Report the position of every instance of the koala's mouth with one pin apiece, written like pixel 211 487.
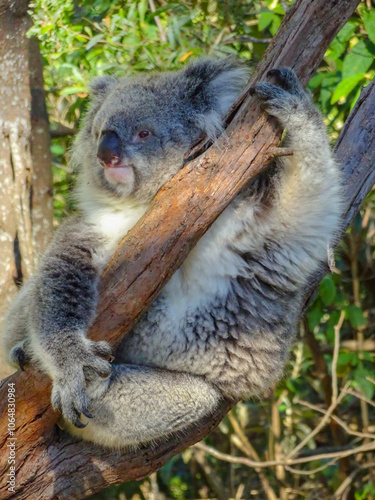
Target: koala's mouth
pixel 119 174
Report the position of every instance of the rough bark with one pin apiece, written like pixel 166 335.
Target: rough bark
pixel 25 163
pixel 41 189
pixel 49 463
pixel 355 151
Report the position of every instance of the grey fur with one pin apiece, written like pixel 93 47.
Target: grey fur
pixel 224 324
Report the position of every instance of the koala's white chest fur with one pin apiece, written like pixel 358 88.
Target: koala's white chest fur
pixel 206 272
pixel 112 223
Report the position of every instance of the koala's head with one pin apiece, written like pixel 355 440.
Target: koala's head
pixel 137 130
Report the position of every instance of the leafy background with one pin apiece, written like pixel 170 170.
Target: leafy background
pixel 83 39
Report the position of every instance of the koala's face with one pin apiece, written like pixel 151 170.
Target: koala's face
pixel 138 129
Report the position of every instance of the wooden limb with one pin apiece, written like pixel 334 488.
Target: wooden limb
pixel 355 151
pixel 51 464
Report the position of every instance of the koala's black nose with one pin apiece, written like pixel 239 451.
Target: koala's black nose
pixel 109 149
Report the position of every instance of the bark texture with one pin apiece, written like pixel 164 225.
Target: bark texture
pixel 25 163
pixel 49 463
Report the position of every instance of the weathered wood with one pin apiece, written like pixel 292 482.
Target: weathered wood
pixel 49 463
pixel 355 151
pixel 25 162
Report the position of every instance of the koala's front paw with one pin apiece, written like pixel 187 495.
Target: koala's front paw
pixel 86 361
pixel 284 98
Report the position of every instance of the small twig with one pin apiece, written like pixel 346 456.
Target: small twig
pixel 212 478
pixel 247 39
pixel 239 492
pixel 309 472
pixel 240 440
pixel 348 480
pixel 235 460
pixel 336 419
pixel 157 21
pixel 336 356
pixel 321 424
pixel 336 455
pixel 277 151
pixel 360 396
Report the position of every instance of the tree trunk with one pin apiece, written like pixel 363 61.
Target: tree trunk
pixel 49 463
pixel 25 163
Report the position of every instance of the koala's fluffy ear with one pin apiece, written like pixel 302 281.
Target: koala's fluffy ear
pixel 212 86
pixel 101 85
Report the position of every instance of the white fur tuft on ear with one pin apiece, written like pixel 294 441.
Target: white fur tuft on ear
pixel 100 85
pixel 211 123
pixel 212 86
pixel 228 85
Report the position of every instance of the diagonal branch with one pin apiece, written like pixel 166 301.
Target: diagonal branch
pixel 180 214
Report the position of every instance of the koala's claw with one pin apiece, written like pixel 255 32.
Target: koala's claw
pixel 69 394
pixel 19 357
pixel 88 414
pixel 287 80
pixel 104 350
pixel 71 400
pixel 286 99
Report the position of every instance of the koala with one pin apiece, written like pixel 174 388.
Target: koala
pixel 222 327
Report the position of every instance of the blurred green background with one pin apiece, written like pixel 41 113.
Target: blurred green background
pixel 83 39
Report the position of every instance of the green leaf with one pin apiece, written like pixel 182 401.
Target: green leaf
pixel 359 59
pixel 75 89
pixel 338 45
pixel 327 290
pixel 142 9
pixel 369 22
pixel 94 40
pixel 46 29
pixel 354 99
pixel 335 50
pixel 367 387
pixel 57 149
pixel 344 88
pixel 345 34
pixel 347 359
pixel 275 24
pixel 355 316
pixel 80 38
pixel 88 30
pixel 316 80
pixel 328 83
pixel 314 315
pixel 265 20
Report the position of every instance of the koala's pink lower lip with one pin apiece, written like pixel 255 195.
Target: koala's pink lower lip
pixel 120 174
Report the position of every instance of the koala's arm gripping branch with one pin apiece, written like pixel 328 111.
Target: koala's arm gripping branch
pixel 51 465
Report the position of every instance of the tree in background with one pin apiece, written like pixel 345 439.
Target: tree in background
pixel 80 40
pixel 26 210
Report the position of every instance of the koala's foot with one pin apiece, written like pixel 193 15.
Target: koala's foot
pixel 86 362
pixel 18 356
pixel 286 99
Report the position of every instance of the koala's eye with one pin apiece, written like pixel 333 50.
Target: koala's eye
pixel 143 134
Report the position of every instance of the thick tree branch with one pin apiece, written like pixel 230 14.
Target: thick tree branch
pixel 50 464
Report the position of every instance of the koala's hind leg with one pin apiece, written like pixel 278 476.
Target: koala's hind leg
pixel 140 404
